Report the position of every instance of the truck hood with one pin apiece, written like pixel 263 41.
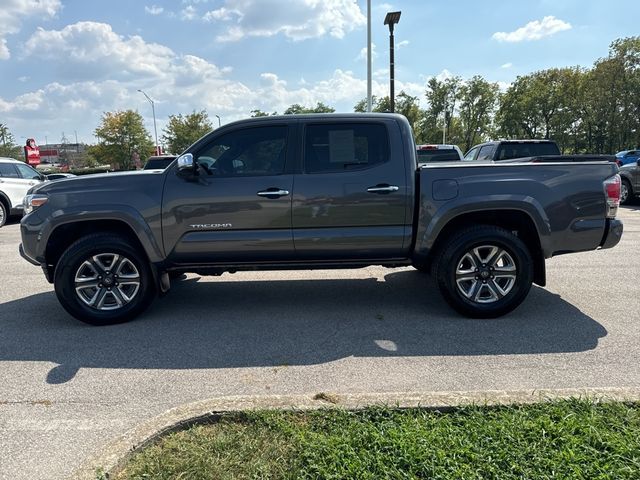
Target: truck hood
pixel 117 182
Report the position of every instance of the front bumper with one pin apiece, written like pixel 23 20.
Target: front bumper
pixel 27 257
pixel 612 234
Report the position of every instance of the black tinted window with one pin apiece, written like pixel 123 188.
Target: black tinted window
pixel 438 155
pixel 340 147
pixel 247 152
pixel 486 152
pixel 520 150
pixel 8 170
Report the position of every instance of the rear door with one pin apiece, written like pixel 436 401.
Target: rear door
pixel 239 207
pixel 351 196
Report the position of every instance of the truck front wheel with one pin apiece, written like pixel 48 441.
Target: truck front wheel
pixel 484 271
pixel 102 279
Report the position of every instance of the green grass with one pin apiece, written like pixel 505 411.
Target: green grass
pixel 572 439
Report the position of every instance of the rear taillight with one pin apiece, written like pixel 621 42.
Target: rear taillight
pixel 612 193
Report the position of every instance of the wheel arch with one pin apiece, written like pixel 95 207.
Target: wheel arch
pixel 4 199
pixel 516 221
pixel 66 234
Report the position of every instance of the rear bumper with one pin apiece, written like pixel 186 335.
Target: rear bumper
pixel 613 233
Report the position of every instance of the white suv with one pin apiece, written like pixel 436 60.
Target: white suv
pixel 16 178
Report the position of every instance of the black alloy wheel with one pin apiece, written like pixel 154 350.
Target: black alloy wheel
pixel 102 279
pixel 484 271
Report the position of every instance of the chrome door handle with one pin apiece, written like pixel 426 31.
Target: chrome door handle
pixel 383 189
pixel 275 193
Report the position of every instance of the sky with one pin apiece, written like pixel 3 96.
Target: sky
pixel 63 63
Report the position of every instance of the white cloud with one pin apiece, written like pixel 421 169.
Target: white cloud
pixel 362 56
pixel 188 13
pixel 534 30
pixel 444 75
pixel 99 48
pixel 401 44
pixel 296 19
pixel 80 105
pixel 154 10
pixel 506 65
pixel 12 12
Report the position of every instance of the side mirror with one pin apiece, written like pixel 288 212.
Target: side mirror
pixel 186 165
pixel 638 162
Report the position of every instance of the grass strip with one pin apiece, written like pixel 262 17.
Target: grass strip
pixel 575 439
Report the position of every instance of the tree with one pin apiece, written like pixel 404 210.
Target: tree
pixel 477 103
pixel 183 130
pixel 260 113
pixel 319 108
pixel 122 134
pixel 442 96
pixel 8 148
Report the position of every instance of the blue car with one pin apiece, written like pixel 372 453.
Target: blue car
pixel 627 156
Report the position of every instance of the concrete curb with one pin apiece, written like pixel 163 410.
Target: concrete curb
pixel 115 455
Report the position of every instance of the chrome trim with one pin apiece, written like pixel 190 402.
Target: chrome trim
pixel 390 188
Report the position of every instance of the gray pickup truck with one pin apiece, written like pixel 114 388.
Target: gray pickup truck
pixel 315 192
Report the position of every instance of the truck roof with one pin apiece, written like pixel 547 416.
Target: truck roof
pixel 530 140
pixel 320 116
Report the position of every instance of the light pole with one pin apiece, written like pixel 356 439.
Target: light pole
pixel 153 110
pixel 391 19
pixel 369 99
pixel 219 122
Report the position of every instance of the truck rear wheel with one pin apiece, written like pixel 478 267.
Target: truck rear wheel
pixel 484 271
pixel 102 279
pixel 626 192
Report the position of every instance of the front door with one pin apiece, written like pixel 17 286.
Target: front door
pixel 238 208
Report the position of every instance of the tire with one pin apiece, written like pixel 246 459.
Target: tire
pixel 88 289
pixel 506 273
pixel 4 213
pixel 626 192
pixel 421 267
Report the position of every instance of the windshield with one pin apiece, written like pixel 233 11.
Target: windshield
pixel 507 151
pixel 438 155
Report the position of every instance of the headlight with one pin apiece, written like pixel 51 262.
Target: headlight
pixel 31 202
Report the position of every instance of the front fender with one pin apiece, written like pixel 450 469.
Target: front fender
pixel 75 214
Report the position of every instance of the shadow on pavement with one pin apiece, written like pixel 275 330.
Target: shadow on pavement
pixel 226 324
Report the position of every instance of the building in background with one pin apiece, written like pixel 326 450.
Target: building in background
pixel 61 153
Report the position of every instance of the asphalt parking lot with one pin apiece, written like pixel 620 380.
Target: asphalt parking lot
pixel 67 389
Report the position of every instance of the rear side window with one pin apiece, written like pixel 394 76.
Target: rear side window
pixel 438 155
pixel 520 150
pixel 486 152
pixel 7 170
pixel 337 147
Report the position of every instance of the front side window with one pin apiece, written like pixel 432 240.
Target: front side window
pixel 248 152
pixel 27 172
pixel 345 146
